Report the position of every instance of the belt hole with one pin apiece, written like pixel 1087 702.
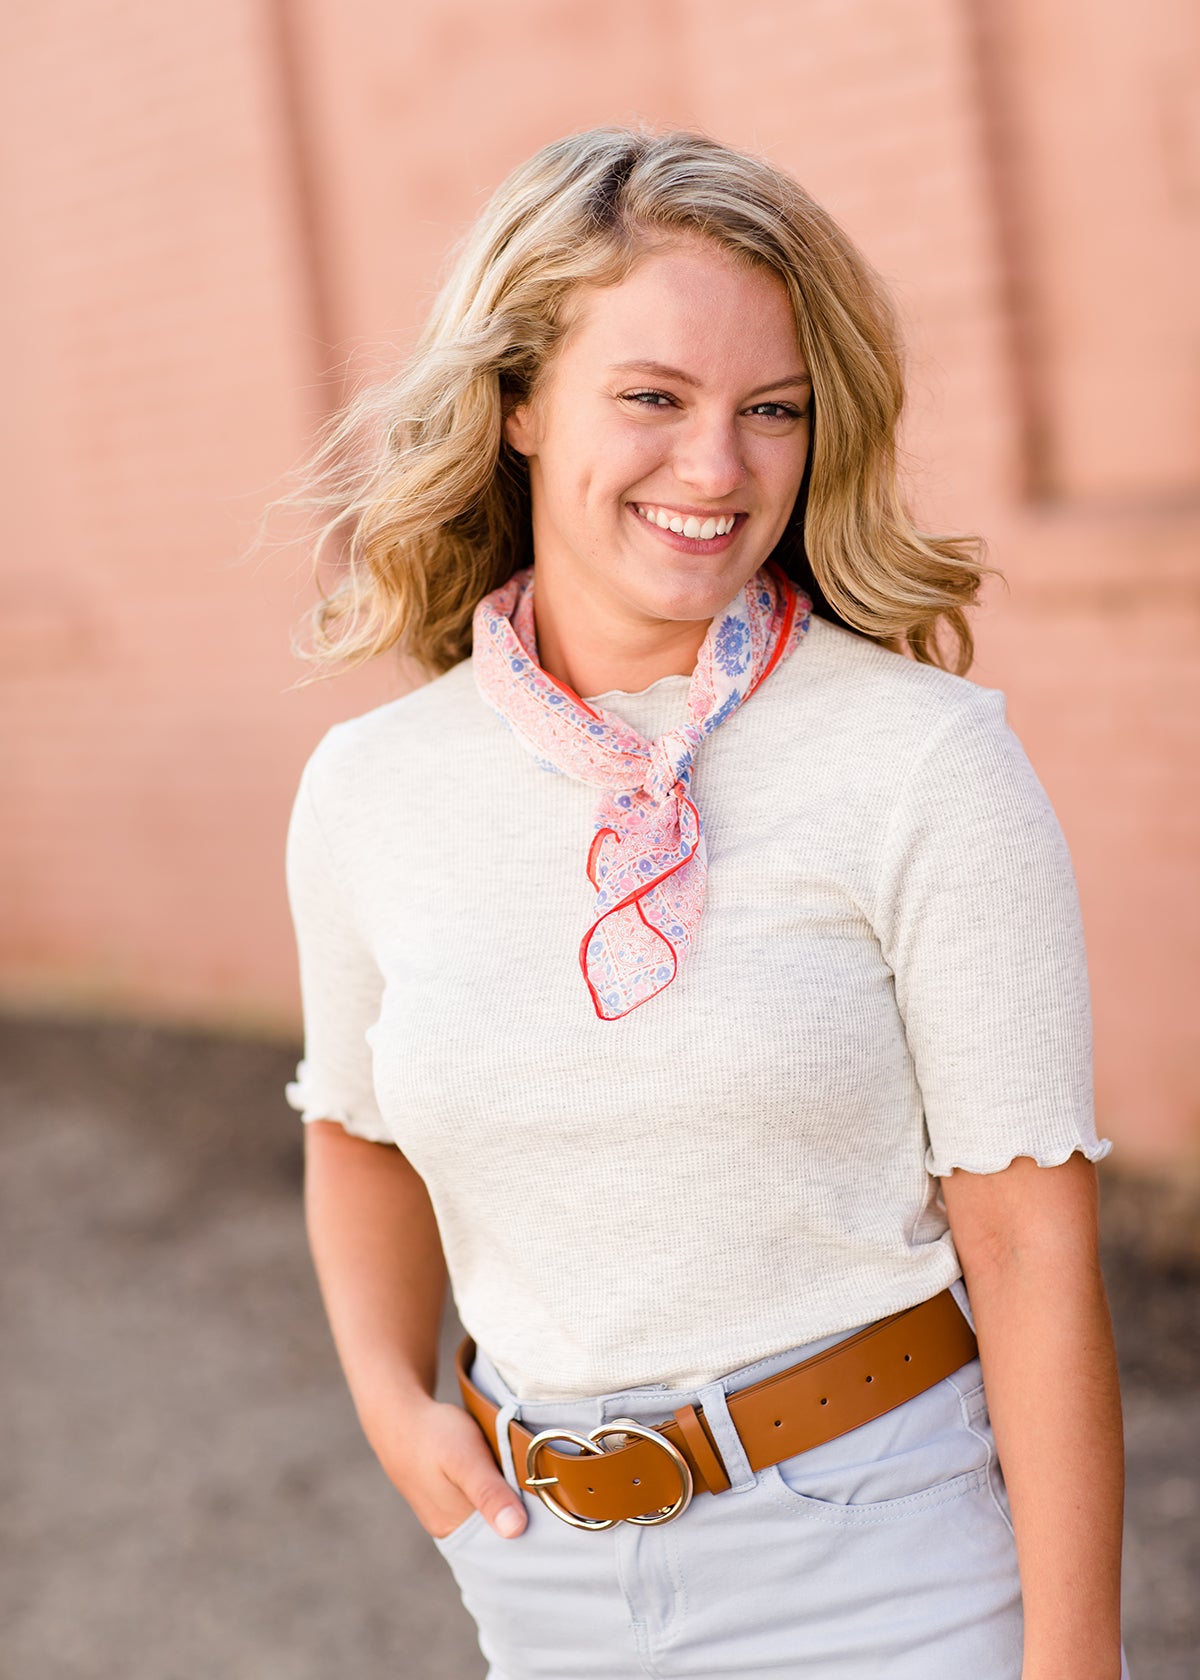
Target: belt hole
pixel 824 1402
pixel 870 1379
pixel 637 1481
pixel 779 1423
pixel 908 1358
pixel 591 1490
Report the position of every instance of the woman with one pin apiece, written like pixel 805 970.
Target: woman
pixel 697 976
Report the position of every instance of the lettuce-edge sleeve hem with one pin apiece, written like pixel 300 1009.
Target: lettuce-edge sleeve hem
pixel 341 984
pixel 303 1097
pixel 1046 1157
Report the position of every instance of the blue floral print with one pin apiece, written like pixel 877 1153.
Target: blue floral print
pixel 731 646
pixel 730 704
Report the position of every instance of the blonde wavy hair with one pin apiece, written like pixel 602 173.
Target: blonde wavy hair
pixel 430 504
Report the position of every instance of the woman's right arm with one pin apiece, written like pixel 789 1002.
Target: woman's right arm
pixel 379 1263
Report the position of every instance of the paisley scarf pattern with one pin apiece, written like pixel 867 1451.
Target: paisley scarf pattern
pixel 647 856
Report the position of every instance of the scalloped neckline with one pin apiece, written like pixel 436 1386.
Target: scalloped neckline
pixel 636 693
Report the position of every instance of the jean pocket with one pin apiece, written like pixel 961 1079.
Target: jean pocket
pixel 979 1422
pixel 921 1453
pixel 448 1542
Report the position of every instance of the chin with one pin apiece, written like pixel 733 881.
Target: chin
pixel 689 599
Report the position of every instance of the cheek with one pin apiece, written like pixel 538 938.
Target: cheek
pixel 601 469
pixel 780 470
pixel 631 456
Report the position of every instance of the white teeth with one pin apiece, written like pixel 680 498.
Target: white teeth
pixel 688 525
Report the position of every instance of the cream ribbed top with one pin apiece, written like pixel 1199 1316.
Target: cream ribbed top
pixel 889 981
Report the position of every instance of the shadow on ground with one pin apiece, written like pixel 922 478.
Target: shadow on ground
pixel 185 1490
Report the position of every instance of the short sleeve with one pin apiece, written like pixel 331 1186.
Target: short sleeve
pixel 340 983
pixel 978 916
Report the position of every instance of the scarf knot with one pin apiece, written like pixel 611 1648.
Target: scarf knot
pixel 671 760
pixel 647 858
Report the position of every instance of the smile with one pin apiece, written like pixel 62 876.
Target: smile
pixel 685 524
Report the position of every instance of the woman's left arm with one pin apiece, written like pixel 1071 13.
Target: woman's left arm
pixel 1028 1241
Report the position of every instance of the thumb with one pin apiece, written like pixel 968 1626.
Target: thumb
pixel 491 1495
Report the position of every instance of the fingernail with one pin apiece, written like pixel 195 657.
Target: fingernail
pixel 509 1523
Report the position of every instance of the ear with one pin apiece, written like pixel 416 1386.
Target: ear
pixel 519 429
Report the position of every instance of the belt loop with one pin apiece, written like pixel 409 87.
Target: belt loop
pixel 704 1454
pixel 712 1402
pixel 508 1470
pixel 959 1291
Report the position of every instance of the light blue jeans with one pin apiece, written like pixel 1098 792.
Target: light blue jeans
pixel 885 1554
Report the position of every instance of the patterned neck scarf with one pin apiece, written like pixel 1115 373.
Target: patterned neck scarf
pixel 647 859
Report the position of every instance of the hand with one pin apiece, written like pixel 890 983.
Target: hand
pixel 437 1458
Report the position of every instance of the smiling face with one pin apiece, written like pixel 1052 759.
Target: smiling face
pixel 666 447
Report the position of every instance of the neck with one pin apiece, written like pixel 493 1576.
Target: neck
pixel 592 648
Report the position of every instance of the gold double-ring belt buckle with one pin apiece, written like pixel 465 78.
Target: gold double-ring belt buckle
pixel 590 1443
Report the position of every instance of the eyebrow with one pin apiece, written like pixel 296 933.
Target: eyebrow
pixel 663 372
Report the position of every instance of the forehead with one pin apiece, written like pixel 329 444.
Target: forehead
pixel 691 303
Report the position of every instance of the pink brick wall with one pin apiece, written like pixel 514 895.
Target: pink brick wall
pixel 212 210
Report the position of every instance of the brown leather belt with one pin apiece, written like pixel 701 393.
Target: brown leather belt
pixel 626 1472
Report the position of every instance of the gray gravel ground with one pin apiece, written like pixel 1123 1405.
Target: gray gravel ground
pixel 184 1492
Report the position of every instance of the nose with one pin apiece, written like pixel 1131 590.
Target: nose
pixel 708 457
